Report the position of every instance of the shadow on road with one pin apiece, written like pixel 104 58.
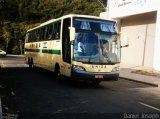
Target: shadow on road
pixel 24 86
pixel 9 75
pixel 12 57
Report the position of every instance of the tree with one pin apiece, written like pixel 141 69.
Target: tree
pixel 6 33
pixel 7 36
pixel 16 16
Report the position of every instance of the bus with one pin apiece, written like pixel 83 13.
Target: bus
pixel 82 47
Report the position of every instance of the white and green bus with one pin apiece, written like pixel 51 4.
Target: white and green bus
pixel 78 46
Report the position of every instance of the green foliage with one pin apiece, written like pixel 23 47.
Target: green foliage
pixel 16 49
pixel 16 16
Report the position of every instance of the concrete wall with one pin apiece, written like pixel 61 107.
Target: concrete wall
pixel 122 8
pixel 156 62
pixel 141 20
pixel 141 35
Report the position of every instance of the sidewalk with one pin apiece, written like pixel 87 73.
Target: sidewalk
pixel 127 74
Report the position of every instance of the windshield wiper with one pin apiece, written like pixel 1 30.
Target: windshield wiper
pixel 110 63
pixel 99 63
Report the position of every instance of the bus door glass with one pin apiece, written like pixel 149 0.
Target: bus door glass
pixel 66 47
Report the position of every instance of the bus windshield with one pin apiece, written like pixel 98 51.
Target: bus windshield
pixel 96 42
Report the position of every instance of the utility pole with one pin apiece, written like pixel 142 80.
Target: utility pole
pixel 100 1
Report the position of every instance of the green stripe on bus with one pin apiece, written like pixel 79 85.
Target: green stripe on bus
pixel 32 50
pixel 51 51
pixel 44 51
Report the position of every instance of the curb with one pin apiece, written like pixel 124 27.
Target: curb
pixel 130 79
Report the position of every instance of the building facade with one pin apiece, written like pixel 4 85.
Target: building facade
pixel 140 19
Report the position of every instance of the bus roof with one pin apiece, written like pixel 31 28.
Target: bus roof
pixel 85 16
pixel 67 16
pixel 47 22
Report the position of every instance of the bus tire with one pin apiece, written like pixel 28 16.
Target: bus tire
pixel 30 63
pixel 96 82
pixel 57 72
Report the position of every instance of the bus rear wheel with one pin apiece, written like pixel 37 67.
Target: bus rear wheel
pixel 57 72
pixel 30 63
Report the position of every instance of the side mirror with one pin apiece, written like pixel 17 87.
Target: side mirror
pixel 72 33
pixel 124 40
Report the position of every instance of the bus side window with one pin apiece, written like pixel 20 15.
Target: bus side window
pixel 26 38
pixel 34 36
pixel 49 32
pixel 38 34
pixel 42 33
pixel 66 47
pixel 45 34
pixel 30 38
pixel 56 31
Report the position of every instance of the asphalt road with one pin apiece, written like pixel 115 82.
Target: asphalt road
pixel 36 94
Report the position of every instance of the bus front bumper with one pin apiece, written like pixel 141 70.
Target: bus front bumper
pixel 101 76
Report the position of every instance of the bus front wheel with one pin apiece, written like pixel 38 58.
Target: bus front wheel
pixel 96 82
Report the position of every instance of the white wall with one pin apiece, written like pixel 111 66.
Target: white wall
pixel 141 36
pixel 156 63
pixel 122 8
pixel 118 9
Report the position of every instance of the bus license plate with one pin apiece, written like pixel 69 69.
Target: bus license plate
pixel 98 76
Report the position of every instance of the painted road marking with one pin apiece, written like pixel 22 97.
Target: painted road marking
pixel 149 106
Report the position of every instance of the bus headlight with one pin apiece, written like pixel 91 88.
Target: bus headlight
pixel 75 67
pixel 115 69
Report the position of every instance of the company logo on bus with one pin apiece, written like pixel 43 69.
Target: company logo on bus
pixel 99 66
